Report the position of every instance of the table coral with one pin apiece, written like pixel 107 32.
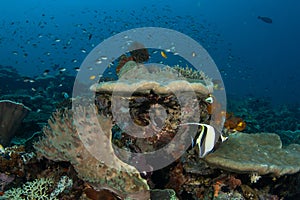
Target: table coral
pixel 261 153
pixel 11 116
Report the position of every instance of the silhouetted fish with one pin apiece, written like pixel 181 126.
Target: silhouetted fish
pixel 265 19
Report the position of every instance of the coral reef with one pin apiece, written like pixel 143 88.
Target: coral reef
pixel 11 117
pixel 247 166
pixel 157 100
pixel 262 116
pixel 12 160
pixel 42 94
pixel 62 143
pixel 261 153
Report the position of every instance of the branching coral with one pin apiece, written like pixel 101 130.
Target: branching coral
pixel 62 143
pixel 37 189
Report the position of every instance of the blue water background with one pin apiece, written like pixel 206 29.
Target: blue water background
pixel 254 58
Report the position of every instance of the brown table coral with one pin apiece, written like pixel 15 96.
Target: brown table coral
pixel 260 153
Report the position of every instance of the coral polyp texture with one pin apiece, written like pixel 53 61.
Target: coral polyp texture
pixel 62 143
pixel 260 153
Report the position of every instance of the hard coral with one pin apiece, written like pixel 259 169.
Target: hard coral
pixel 261 153
pixel 42 189
pixel 157 99
pixel 12 161
pixel 11 116
pixel 228 180
pixel 37 189
pixel 67 138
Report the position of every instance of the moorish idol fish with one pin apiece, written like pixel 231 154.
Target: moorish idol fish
pixel 206 138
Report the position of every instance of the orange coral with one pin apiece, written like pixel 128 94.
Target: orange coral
pixel 217 187
pixel 231 181
pixel 233 124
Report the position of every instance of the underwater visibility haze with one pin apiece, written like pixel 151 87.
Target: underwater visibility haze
pixel 184 100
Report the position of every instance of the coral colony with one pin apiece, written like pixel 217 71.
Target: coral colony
pixel 219 164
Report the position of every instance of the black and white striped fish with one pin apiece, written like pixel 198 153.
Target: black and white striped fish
pixel 206 138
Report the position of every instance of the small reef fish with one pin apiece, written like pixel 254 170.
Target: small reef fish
pixel 265 19
pixel 46 72
pixel 65 95
pixel 92 77
pixel 163 54
pixel 27 79
pixel 206 138
pixel 62 69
